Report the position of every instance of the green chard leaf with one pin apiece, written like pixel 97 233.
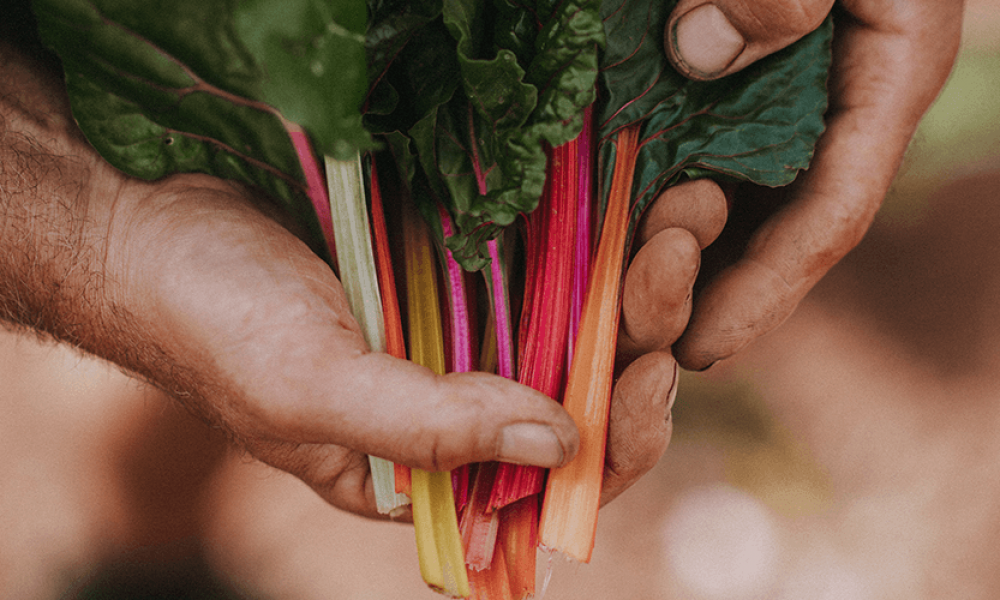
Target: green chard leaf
pixel 492 100
pixel 467 94
pixel 395 25
pixel 196 86
pixel 758 125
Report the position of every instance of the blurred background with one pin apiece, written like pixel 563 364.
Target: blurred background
pixel 850 455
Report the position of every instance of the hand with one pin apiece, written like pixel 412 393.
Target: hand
pixel 891 58
pixel 191 285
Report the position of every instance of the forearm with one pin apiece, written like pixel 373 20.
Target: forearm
pixel 55 194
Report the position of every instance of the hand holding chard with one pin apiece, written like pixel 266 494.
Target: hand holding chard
pixel 475 141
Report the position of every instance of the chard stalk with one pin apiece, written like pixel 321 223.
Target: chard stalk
pixel 518 539
pixel 499 298
pixel 492 583
pixel 460 331
pixel 581 263
pixel 544 327
pixel 315 188
pixel 572 495
pixel 439 543
pixel 478 524
pixel 395 343
pixel 358 275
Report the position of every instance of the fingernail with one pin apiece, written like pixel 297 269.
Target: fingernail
pixel 705 41
pixel 530 444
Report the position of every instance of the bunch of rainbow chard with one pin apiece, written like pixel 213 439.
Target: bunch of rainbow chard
pixel 511 146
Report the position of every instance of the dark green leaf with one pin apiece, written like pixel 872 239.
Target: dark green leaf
pixel 759 125
pixel 392 25
pixel 483 151
pixel 425 72
pixel 195 85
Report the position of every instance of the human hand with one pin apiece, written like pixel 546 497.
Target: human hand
pixel 191 284
pixel 891 58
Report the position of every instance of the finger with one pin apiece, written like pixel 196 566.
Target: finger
pixel 708 39
pixel 639 423
pixel 698 206
pixel 339 475
pixel 656 299
pixel 893 71
pixel 400 411
pixel 264 328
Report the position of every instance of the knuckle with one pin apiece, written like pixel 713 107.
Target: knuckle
pixel 658 286
pixel 697 205
pixel 843 226
pixel 445 446
pixel 787 20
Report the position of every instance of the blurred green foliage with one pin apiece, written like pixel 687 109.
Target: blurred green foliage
pixel 959 135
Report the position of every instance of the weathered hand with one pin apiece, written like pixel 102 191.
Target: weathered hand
pixel 191 285
pixel 891 58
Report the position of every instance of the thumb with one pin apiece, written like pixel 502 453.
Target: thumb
pixel 403 412
pixel 263 328
pixel 710 39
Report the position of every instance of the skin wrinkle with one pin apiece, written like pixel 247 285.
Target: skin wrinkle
pixel 785 22
pixel 771 318
pixel 356 477
pixel 64 277
pixel 330 469
pixel 436 435
pixel 434 455
pixel 440 436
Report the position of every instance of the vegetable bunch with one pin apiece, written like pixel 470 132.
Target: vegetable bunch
pixel 511 146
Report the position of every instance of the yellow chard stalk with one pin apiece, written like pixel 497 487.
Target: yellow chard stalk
pixel 439 543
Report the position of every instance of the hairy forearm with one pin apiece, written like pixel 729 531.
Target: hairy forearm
pixel 54 193
pixel 84 248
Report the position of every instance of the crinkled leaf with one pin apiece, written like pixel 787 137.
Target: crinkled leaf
pixel 483 150
pixel 759 125
pixel 190 85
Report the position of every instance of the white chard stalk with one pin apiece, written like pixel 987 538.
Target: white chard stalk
pixel 358 275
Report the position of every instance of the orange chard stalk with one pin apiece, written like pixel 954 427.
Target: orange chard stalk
pixel 518 539
pixel 492 583
pixel 395 342
pixel 572 496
